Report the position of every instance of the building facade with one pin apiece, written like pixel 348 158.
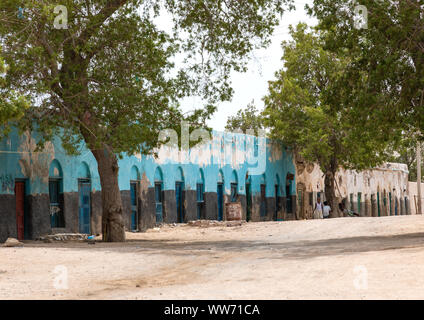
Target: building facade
pixel 413 194
pixel 48 191
pixel 382 191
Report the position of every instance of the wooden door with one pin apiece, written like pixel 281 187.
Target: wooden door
pixel 84 207
pixel 134 206
pixel 20 209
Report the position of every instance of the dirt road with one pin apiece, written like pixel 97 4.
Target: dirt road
pixel 349 258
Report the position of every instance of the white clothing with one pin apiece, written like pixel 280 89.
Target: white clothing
pixel 318 211
pixel 327 210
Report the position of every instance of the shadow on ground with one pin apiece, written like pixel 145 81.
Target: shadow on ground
pixel 288 250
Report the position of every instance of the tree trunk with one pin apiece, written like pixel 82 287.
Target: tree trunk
pixel 112 220
pixel 330 193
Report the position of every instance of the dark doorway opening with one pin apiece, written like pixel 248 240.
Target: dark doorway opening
pixel 179 186
pixel 248 202
pixel 220 191
pixel 134 205
pixel 200 200
pixel 20 209
pixel 57 218
pixel 158 200
pixel 84 191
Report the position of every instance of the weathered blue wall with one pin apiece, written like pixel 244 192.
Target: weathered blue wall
pixel 227 154
pixel 18 160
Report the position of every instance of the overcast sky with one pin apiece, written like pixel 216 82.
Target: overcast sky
pixel 253 84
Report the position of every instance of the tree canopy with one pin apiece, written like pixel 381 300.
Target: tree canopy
pixel 388 49
pixel 248 119
pixel 103 72
pixel 306 109
pixel 12 106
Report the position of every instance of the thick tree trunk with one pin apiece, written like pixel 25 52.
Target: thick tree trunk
pixel 112 219
pixel 330 193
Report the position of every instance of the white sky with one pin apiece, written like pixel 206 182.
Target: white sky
pixel 253 84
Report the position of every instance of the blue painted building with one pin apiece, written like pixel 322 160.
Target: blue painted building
pixel 50 191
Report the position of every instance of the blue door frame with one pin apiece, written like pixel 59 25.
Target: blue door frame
pixel 84 187
pixel 158 199
pixel 179 201
pixel 134 206
pixel 200 200
pixel 220 192
pixel 248 202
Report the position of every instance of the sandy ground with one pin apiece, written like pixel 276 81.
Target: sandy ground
pixel 348 258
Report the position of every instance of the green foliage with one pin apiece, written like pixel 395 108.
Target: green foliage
pixel 12 106
pixel 246 119
pixel 306 108
pixel 406 152
pixel 388 54
pixel 111 79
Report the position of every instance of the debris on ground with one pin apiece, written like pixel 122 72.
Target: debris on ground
pixel 204 223
pixel 235 223
pixel 214 223
pixel 64 237
pixel 12 242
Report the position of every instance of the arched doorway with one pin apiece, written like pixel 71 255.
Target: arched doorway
pixel 179 188
pixel 220 195
pixel 200 189
pixel 158 194
pixel 289 187
pixel 234 187
pixel 57 217
pixel 134 188
pixel 262 205
pixel 84 202
pixel 301 199
pixel 248 197
pixel 277 197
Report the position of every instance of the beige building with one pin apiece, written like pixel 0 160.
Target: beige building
pixel 382 191
pixel 414 198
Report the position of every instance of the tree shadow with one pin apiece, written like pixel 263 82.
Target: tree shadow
pixel 304 249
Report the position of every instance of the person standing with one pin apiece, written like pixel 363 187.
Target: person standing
pixel 326 210
pixel 318 209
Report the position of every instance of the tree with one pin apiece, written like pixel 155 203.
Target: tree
pixel 388 48
pixel 305 109
pixel 406 152
pixel 246 119
pixel 11 106
pixel 102 72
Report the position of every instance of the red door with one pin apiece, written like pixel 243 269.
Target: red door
pixel 20 208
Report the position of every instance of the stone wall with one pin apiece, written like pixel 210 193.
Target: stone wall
pixel 381 191
pixel 413 194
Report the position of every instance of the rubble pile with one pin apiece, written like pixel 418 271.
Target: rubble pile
pixel 64 237
pixel 12 242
